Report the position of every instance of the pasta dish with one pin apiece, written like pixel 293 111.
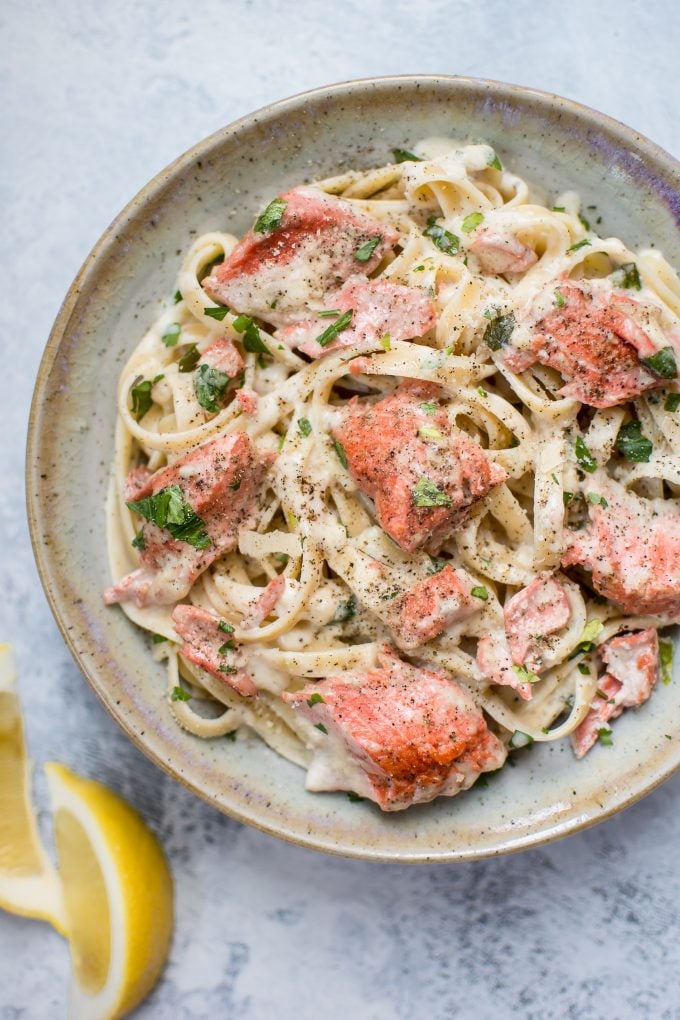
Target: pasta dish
pixel 396 476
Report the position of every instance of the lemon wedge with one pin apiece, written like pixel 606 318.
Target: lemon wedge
pixel 118 896
pixel 29 884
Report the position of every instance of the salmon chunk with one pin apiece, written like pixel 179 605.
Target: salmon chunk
pixel 596 347
pixel 208 645
pixel 210 494
pixel 316 243
pixel 224 356
pixel 495 663
pixel 540 609
pixel 632 548
pixel 379 308
pixel 502 254
pixel 430 606
pixel 397 734
pixel 632 664
pixel 424 474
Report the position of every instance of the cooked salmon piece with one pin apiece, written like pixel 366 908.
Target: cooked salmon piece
pixel 632 548
pixel 265 603
pixel 596 347
pixel 136 482
pixel 379 308
pixel 210 647
pixel 502 254
pixel 220 482
pixel 224 356
pixel 632 664
pixel 278 274
pixel 397 734
pixel 540 609
pixel 424 474
pixel 248 399
pixel 495 662
pixel 430 606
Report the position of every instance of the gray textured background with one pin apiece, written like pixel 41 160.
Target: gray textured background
pixel 96 99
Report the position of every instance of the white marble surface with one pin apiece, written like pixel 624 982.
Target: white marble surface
pixel 97 98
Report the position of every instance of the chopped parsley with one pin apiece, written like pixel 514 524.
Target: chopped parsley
pixel 595 499
pixel 497 334
pixel 482 392
pixel 139 542
pixel 428 432
pixel 429 407
pixel 627 276
pixel 282 558
pixel 140 393
pixel 329 334
pixel 189 360
pixel 168 509
pixel 386 342
pixel 480 592
pixel 567 497
pixel 328 313
pixel 584 458
pixel 666 661
pixel 662 363
pixel 219 313
pixel 320 726
pixel 304 426
pixel 604 735
pixel 632 445
pixel 229 670
pixel 583 668
pixel 354 798
pixel 210 387
pixel 526 675
pixel 584 221
pixel 346 610
pixel 315 699
pixel 225 627
pixel 443 239
pixel 406 156
pixel 426 494
pixel 271 218
pixel 228 646
pixel 494 162
pixel 158 639
pixel 437 563
pixel 471 222
pixel 179 694
pixel 364 253
pixel 560 300
pixel 252 341
pixel 672 402
pixel 579 244
pixel 559 208
pixel 587 640
pixel 177 297
pixel 340 451
pixel 171 334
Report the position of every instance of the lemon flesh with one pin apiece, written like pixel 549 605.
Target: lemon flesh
pixel 28 882
pixel 118 893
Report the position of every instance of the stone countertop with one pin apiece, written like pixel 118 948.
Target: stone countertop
pixel 98 98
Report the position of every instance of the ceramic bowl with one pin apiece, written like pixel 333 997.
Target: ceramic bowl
pixel 220 183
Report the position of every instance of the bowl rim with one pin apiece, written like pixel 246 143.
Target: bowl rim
pixel 590 816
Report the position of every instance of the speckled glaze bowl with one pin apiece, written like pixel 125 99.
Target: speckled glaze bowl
pixel 220 183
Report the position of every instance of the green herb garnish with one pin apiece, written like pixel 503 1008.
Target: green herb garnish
pixel 168 509
pixel 519 739
pixel 304 426
pixel 189 360
pixel 158 639
pixel 340 451
pixel 627 276
pixel 328 313
pixel 271 218
pixel 497 334
pixel 218 313
pixel 526 675
pixel 329 334
pixel 386 342
pixel 225 627
pixel 210 386
pixel 672 402
pixel 426 494
pixel 320 726
pixel 480 592
pixel 252 341
pixel 140 392
pixel 567 497
pixel 364 253
pixel 632 445
pixel 354 798
pixel 494 162
pixel 666 661
pixel 406 156
pixel 179 694
pixel 171 334
pixel 429 407
pixel 177 297
pixel 595 499
pixel 662 363
pixel 560 300
pixel 427 432
pixel 443 239
pixel 139 542
pixel 471 222
pixel 584 458
pixel 604 735
pixel 579 244
pixel 315 699
pixel 583 668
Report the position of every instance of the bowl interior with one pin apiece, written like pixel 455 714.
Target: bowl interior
pixel 220 184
